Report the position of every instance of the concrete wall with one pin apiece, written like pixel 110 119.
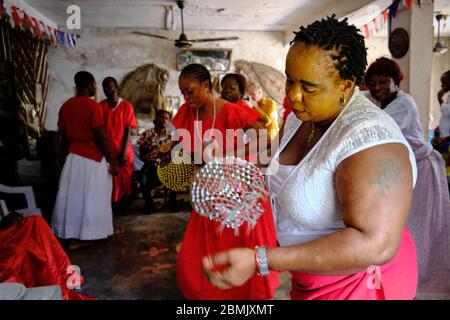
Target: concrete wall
pixel 115 52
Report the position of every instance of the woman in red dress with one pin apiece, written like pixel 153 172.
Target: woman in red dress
pixel 203 236
pixel 233 90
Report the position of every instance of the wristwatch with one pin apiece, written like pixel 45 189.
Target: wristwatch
pixel 262 264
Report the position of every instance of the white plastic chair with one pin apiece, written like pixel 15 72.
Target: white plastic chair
pixel 31 208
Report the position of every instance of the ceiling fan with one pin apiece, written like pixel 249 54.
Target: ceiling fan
pixel 183 41
pixel 438 47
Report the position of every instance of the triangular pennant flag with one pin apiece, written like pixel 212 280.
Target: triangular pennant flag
pixel 15 16
pixel 62 36
pixel 393 8
pixel 375 24
pixel 366 31
pixel 44 31
pixel 2 9
pixel 408 4
pixel 382 23
pixel 26 22
pixel 50 35
pixel 385 15
pixel 36 28
pixel 57 36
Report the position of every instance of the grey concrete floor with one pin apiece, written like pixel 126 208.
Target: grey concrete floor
pixel 138 262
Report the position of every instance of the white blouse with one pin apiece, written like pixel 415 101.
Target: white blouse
pixel 304 199
pixel 444 122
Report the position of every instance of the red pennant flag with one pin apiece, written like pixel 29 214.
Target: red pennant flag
pixel 50 34
pixel 375 23
pixel 385 15
pixel 37 30
pixel 366 31
pixel 15 16
pixel 26 22
pixel 408 4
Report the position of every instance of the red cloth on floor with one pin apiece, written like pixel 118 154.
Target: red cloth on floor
pixel 31 255
pixel 397 280
pixel 116 120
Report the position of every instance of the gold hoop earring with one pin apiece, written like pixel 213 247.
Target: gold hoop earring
pixel 342 100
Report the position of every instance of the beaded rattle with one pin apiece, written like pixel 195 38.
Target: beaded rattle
pixel 228 191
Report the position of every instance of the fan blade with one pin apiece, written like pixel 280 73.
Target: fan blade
pixel 152 35
pixel 214 39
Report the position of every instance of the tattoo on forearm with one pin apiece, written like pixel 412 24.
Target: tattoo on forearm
pixel 389 173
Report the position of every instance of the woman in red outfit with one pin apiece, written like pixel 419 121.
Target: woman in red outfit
pixel 203 236
pixel 341 182
pixel 233 90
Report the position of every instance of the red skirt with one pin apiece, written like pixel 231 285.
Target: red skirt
pixel 204 237
pixel 31 255
pixel 122 183
pixel 395 280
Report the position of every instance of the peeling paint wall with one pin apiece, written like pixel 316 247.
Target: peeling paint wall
pixel 114 52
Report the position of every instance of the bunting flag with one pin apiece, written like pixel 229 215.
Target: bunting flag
pixel 60 36
pixel 408 4
pixel 385 15
pixel 379 23
pixel 23 21
pixel 366 31
pixel 393 8
pixel 36 28
pixel 50 35
pixel 376 25
pixel 26 23
pixel 2 9
pixel 15 17
pixel 71 39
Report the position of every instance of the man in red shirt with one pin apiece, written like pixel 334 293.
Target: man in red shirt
pixel 119 119
pixel 83 204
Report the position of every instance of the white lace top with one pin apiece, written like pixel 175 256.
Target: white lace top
pixel 304 200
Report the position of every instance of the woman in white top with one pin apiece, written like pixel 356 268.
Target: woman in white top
pixel 444 122
pixel 441 142
pixel 429 219
pixel 341 182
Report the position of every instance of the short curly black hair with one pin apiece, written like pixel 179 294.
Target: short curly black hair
pixel 242 83
pixel 384 67
pixel 332 34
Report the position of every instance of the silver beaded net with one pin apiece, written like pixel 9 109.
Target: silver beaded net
pixel 228 191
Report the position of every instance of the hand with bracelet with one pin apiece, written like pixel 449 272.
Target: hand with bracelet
pixel 242 264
